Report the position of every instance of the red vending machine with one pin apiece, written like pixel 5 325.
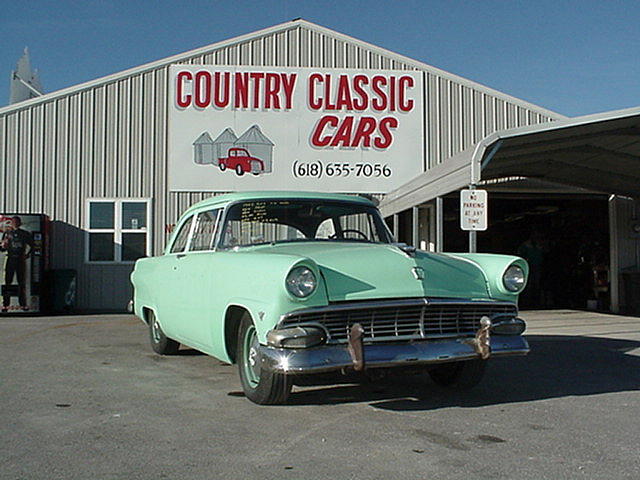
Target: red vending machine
pixel 23 261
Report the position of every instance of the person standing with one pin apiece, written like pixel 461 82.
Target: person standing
pixel 18 244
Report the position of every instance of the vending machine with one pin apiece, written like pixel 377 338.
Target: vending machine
pixel 23 262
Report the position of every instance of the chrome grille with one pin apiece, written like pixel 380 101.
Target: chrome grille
pixel 401 319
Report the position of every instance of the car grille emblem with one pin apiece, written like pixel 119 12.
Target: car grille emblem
pixel 418 272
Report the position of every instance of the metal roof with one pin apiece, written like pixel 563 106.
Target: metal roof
pixel 280 195
pixel 293 24
pixel 598 152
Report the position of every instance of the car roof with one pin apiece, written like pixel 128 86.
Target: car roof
pixel 221 200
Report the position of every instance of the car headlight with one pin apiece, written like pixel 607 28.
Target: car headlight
pixel 513 279
pixel 301 282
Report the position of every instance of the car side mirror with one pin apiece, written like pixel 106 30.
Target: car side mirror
pixel 408 249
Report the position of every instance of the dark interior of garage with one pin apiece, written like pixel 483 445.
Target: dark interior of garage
pixel 565 239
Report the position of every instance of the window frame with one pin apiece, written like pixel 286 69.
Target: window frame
pixel 174 238
pixel 384 229
pixel 117 229
pixel 194 216
pixel 214 237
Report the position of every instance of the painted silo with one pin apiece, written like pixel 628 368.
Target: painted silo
pixel 223 143
pixel 258 145
pixel 203 150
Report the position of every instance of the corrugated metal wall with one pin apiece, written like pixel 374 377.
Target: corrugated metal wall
pixel 109 140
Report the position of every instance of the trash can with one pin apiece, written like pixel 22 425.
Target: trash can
pixel 63 290
pixel 631 289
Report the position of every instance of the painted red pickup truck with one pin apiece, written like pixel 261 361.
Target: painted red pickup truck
pixel 238 159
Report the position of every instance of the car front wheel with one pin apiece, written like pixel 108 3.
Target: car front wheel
pixel 260 386
pixel 458 375
pixel 160 343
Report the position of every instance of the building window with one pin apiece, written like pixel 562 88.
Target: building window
pixel 117 230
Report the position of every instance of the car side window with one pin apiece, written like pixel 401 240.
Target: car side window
pixel 326 229
pixel 180 242
pixel 205 230
pixel 360 223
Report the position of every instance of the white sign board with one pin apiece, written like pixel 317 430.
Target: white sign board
pixel 473 209
pixel 254 128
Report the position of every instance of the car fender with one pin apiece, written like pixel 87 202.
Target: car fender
pixel 494 267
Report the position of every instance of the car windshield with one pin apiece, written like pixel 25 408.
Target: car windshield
pixel 275 221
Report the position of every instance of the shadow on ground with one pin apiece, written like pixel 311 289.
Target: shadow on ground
pixel 558 366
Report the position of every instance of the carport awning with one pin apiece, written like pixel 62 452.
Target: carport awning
pixel 599 152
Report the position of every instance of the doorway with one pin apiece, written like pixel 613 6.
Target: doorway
pixel 565 239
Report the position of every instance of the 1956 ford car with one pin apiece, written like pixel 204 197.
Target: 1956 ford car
pixel 295 283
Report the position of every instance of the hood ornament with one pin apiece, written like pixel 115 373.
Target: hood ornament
pixel 418 272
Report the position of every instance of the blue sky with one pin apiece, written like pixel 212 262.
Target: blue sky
pixel 573 57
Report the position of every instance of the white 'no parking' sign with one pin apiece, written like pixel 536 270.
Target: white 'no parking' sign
pixel 473 209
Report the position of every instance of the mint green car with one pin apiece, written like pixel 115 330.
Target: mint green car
pixel 291 284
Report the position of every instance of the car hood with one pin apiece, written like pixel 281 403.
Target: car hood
pixel 361 271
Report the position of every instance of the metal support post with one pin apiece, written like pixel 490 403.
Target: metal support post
pixel 414 226
pixel 439 224
pixel 396 227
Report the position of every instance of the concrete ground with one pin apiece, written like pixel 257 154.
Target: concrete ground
pixel 84 397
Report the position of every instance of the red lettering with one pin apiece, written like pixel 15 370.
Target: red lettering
pixel 392 94
pixel 288 83
pixel 379 103
pixel 405 105
pixel 327 93
pixel 344 94
pixel 314 103
pixel 242 90
pixel 387 138
pixel 202 90
pixel 183 99
pixel 221 100
pixel 342 137
pixel 272 86
pixel 256 77
pixel 316 141
pixel 358 81
pixel 366 127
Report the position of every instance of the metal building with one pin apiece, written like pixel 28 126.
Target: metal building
pixel 101 146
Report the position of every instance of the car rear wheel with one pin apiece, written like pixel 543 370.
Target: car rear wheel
pixel 222 166
pixel 160 343
pixel 458 375
pixel 239 170
pixel 260 386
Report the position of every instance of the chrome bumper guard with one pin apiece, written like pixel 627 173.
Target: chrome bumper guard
pixel 336 357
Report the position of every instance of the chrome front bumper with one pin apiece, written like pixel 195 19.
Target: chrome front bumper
pixel 336 357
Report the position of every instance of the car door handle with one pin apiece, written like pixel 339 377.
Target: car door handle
pixel 180 255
